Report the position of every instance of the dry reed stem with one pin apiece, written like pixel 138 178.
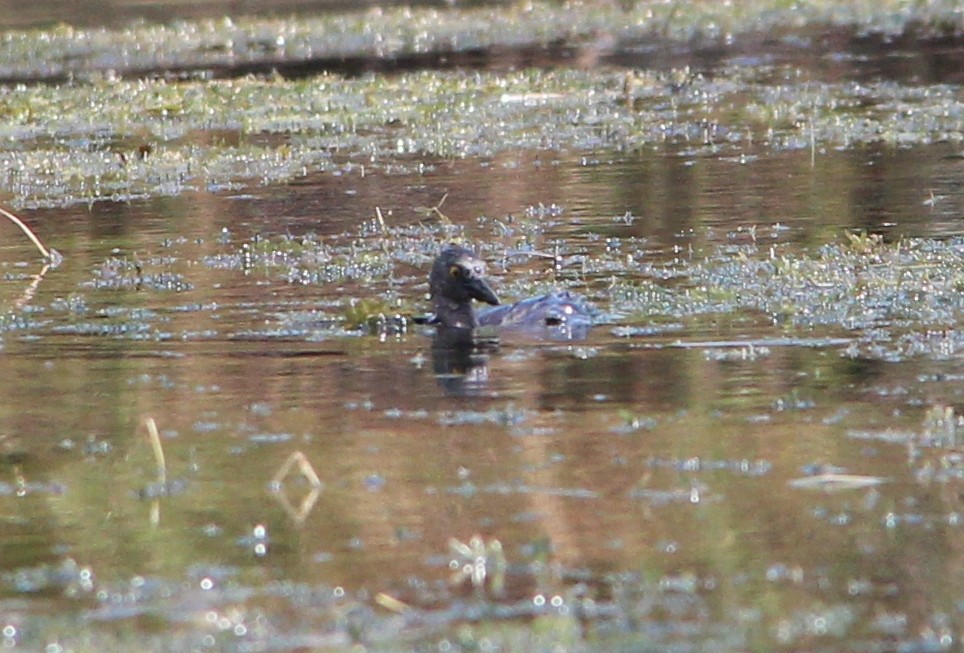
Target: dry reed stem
pixel 435 210
pixel 392 604
pixel 51 255
pixel 155 439
pixel 301 512
pixel 304 466
pixel 31 290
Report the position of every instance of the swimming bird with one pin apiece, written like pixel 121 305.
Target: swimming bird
pixel 458 277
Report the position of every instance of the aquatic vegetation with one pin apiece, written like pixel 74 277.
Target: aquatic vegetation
pixel 908 289
pixel 67 576
pixel 858 285
pixel 477 562
pixel 940 426
pixel 632 423
pixel 508 416
pixel 19 321
pixel 116 137
pixel 122 273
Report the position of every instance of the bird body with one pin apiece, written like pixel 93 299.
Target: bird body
pixel 458 277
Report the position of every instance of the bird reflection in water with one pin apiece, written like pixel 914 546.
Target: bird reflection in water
pixel 465 338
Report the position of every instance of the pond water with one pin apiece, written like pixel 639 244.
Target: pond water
pixel 715 481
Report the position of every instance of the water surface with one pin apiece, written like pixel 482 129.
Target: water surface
pixel 673 489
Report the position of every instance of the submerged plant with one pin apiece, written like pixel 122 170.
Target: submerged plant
pixel 477 562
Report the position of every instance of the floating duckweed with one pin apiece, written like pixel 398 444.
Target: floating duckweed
pixel 123 274
pixel 509 416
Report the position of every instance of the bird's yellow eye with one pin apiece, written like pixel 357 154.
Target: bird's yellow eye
pixel 455 271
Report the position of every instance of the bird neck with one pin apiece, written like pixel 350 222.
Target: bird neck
pixel 455 315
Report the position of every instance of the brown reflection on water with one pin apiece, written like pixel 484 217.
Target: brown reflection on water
pixel 673 197
pixel 607 456
pixel 397 488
